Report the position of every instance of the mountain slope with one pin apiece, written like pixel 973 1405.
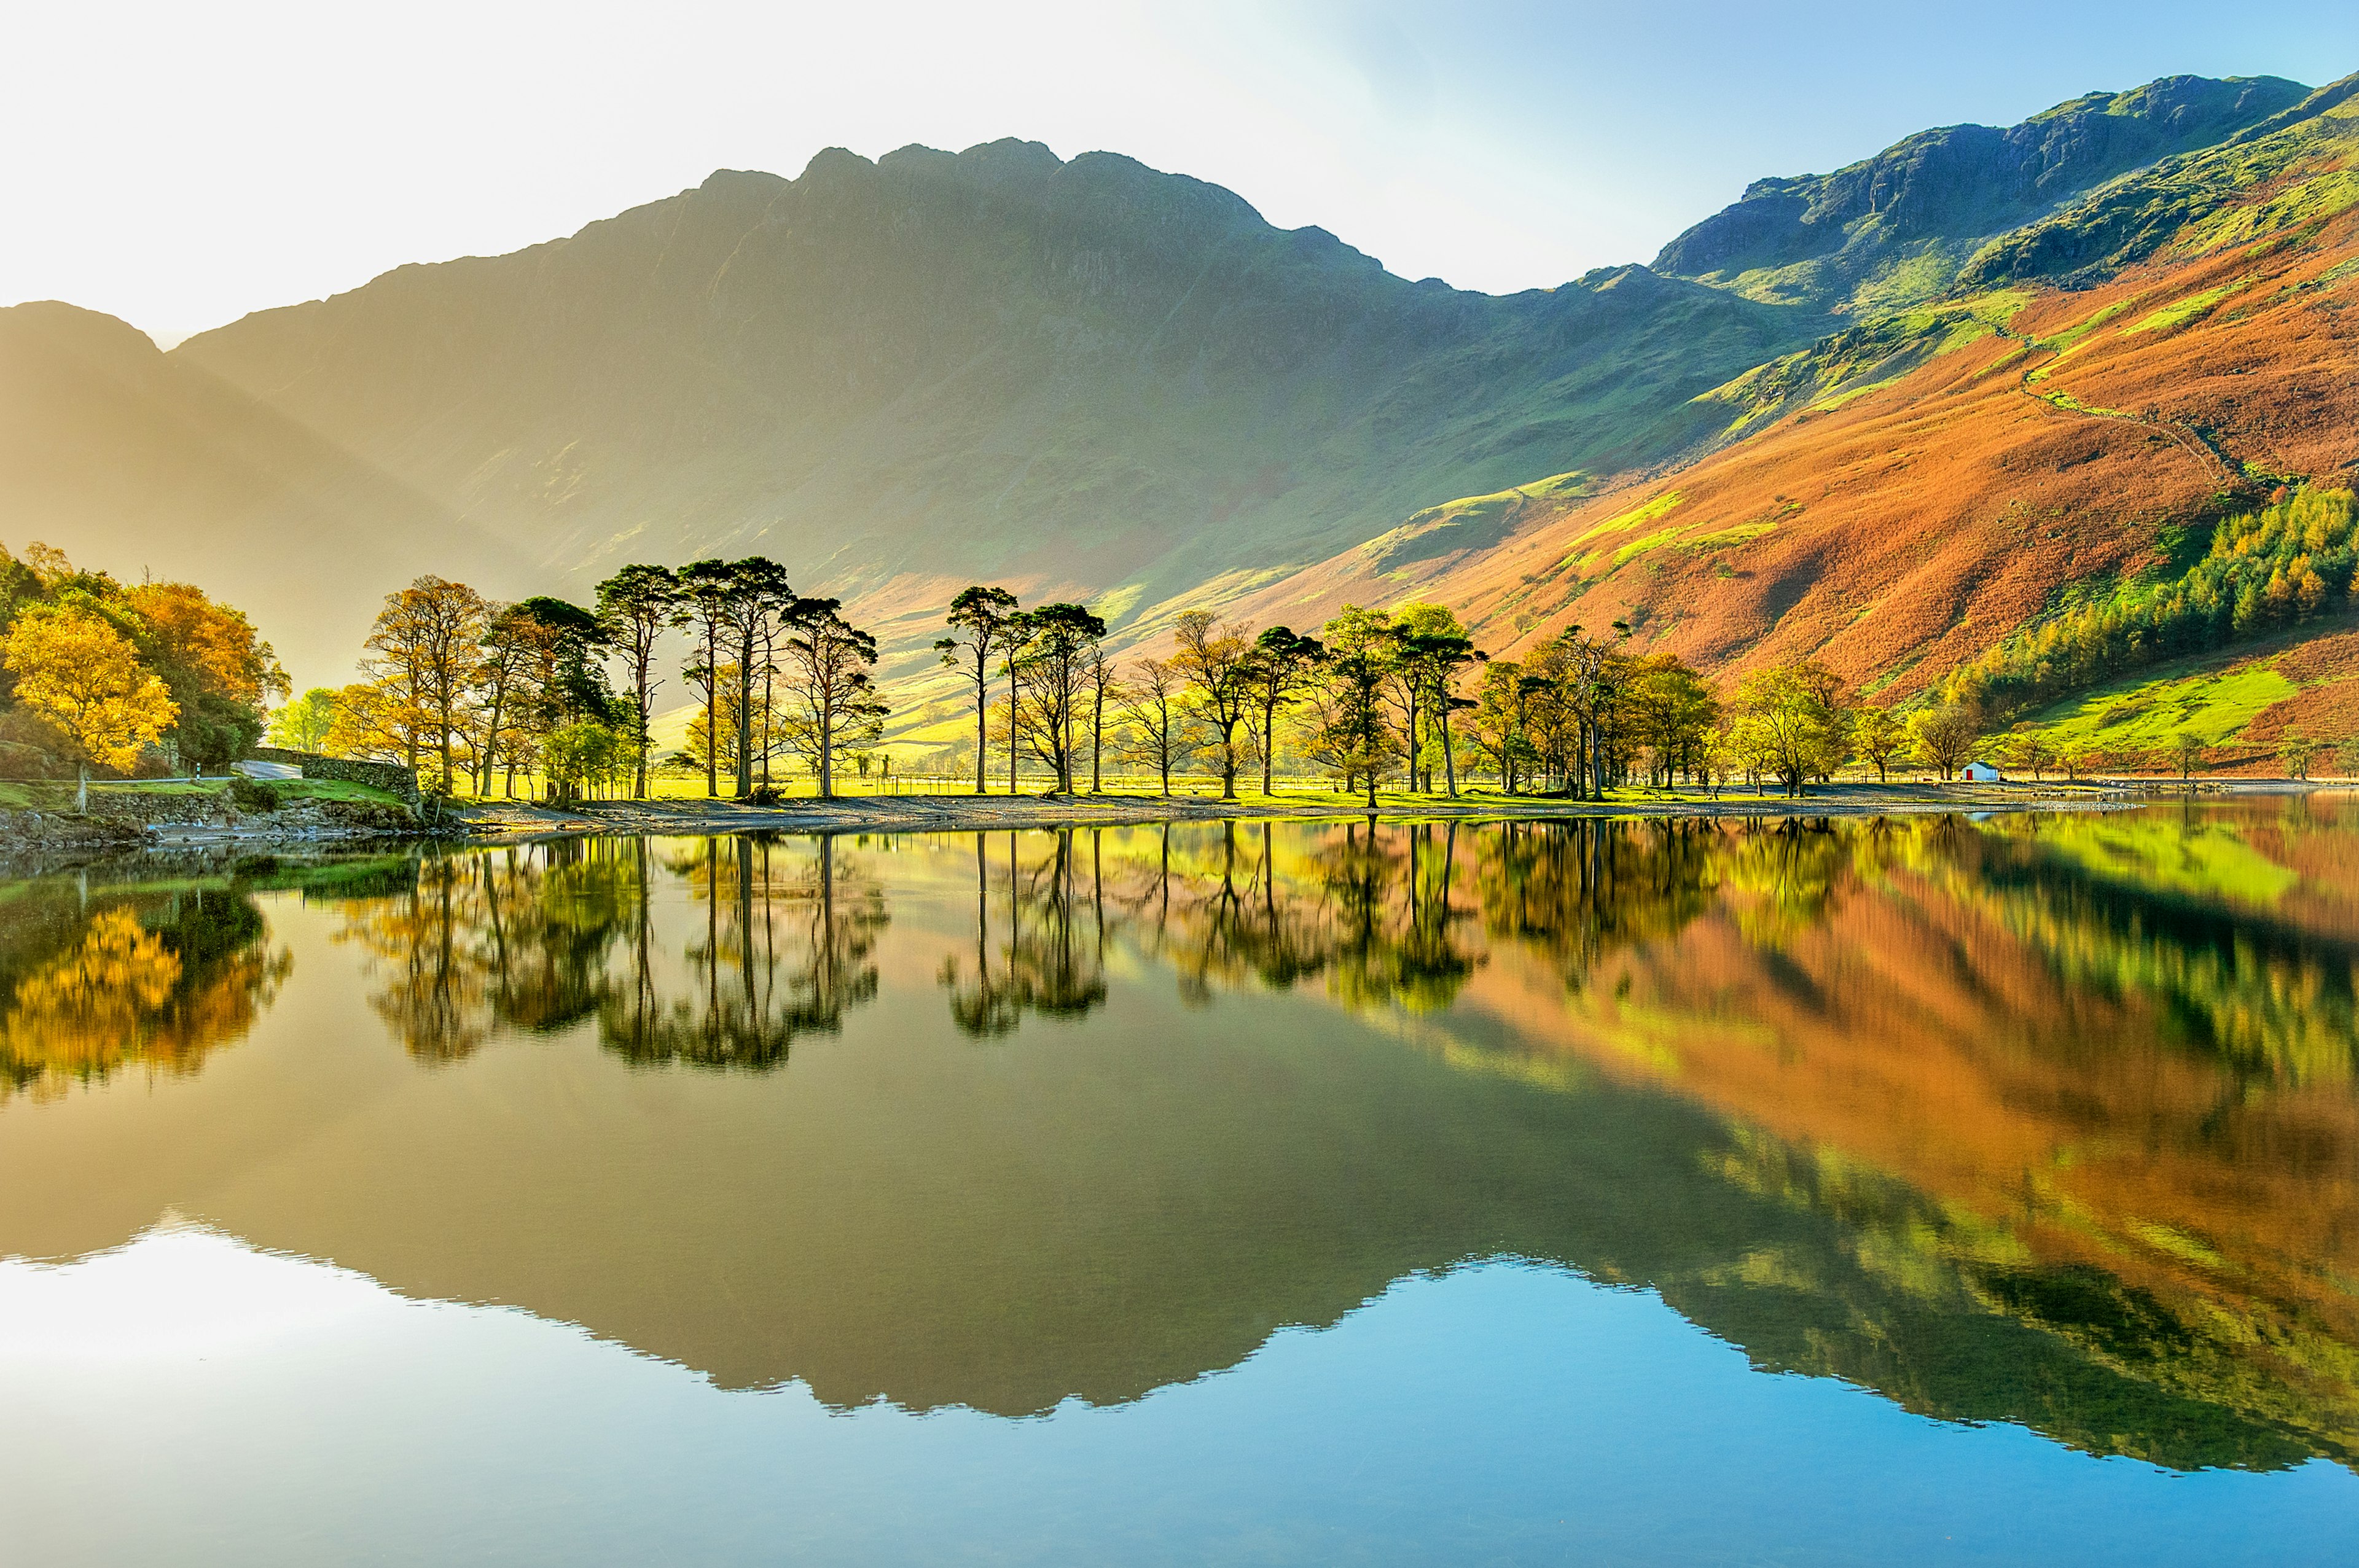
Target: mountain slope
pixel 1912 491
pixel 1895 230
pixel 138 463
pixel 1081 375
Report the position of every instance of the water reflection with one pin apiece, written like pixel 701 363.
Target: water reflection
pixel 98 978
pixel 2047 1120
pixel 541 938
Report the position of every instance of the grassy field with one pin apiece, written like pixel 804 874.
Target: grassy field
pixel 58 794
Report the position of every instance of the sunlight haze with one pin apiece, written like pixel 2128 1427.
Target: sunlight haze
pixel 181 167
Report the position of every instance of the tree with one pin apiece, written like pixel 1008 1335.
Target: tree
pixel 1285 665
pixel 1353 735
pixel 218 670
pixel 634 606
pixel 2297 752
pixel 1878 737
pixel 1499 720
pixel 1099 670
pixel 2188 748
pixel 1799 727
pixel 1216 660
pixel 425 649
pixel 1671 710
pixel 758 599
pixel 369 725
pixel 584 758
pixel 990 623
pixel 707 589
pixel 1947 735
pixel 84 678
pixel 721 739
pixel 836 705
pixel 516 648
pixel 302 725
pixel 1148 704
pixel 2029 753
pixel 1052 667
pixel 1434 647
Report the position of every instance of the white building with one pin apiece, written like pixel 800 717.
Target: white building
pixel 1981 772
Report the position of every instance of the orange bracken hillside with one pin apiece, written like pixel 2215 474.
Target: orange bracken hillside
pixel 1900 529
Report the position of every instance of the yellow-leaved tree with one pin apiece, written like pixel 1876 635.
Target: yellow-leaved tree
pixel 82 675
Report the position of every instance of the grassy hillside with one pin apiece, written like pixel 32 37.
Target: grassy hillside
pixel 1895 230
pixel 1909 494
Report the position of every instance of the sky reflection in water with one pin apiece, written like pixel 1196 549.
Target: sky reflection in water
pixel 2045 1123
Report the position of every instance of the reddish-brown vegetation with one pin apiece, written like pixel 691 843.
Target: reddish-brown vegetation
pixel 1916 523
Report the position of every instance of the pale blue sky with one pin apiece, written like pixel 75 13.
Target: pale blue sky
pixel 179 165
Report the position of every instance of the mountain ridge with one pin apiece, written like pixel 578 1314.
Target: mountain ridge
pixel 1088 378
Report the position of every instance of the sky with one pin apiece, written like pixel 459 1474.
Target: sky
pixel 179 165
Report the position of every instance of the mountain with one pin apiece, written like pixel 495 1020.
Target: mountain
pixel 1898 228
pixel 140 463
pixel 1085 376
pixel 2075 410
pixel 1871 413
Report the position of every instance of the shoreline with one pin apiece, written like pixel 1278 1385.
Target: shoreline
pixel 512 822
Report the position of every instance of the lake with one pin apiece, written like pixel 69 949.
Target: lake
pixel 1925 1190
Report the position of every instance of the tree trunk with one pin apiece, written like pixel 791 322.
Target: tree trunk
pixel 1448 758
pixel 982 722
pixel 1268 744
pixel 1097 738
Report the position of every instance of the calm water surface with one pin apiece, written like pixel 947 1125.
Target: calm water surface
pixel 1925 1191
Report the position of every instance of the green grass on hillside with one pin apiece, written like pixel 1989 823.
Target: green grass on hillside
pixel 2147 714
pixel 2181 310
pixel 2158 853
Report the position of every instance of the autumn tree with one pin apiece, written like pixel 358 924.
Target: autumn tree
pixel 1499 720
pixel 1149 701
pixel 425 650
pixel 989 627
pixel 1671 710
pixel 516 647
pixel 84 678
pixel 635 607
pixel 220 671
pixel 1215 659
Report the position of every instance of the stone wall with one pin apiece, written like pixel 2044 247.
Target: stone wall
pixel 389 776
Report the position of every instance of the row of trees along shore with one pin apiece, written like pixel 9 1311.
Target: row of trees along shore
pixel 461 686
pixel 472 689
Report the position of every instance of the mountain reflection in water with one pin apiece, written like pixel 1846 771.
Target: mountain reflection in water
pixel 2049 1120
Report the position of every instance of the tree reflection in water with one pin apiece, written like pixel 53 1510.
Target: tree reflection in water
pixel 1046 954
pixel 541 938
pixel 98 978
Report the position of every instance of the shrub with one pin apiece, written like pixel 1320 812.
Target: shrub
pixel 763 795
pixel 252 794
